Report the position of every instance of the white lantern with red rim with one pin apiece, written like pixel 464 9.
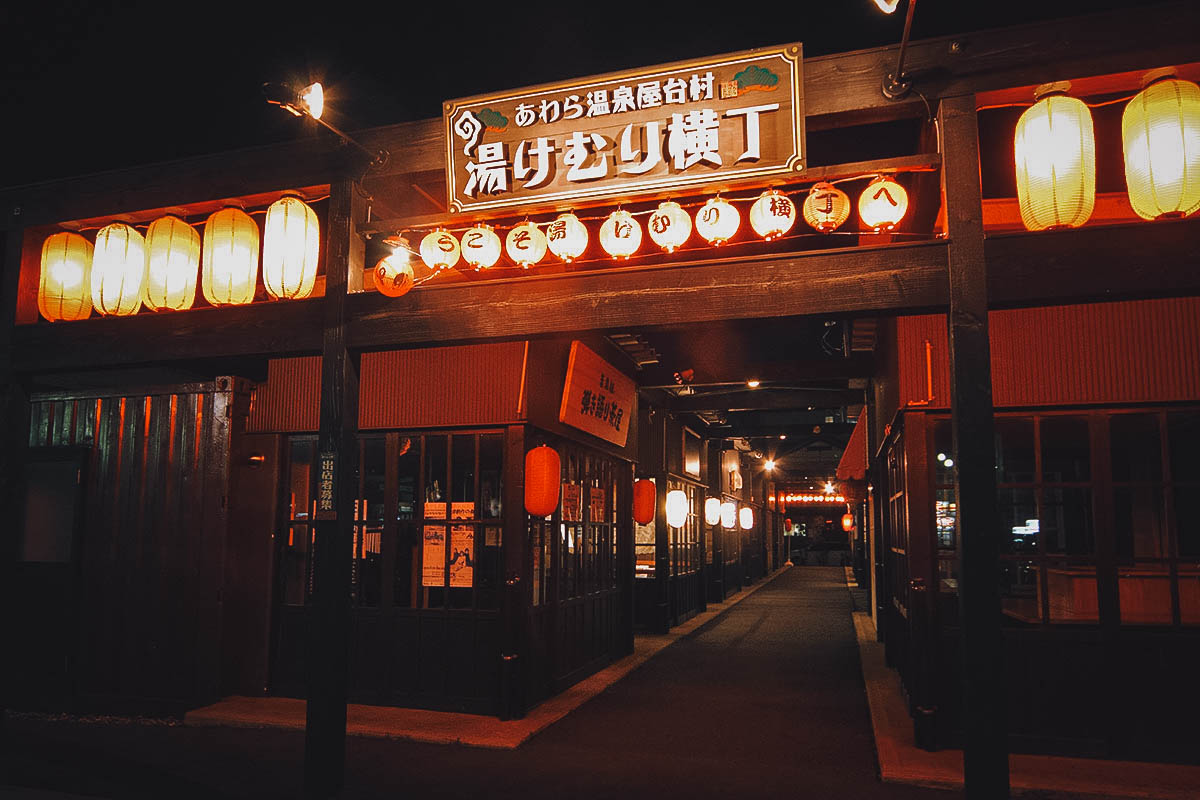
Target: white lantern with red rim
pixel 567 237
pixel 393 273
pixel 525 244
pixel 772 215
pixel 620 235
pixel 883 204
pixel 717 221
pixel 670 226
pixel 746 517
pixel 439 249
pixel 826 207
pixel 712 511
pixel 481 247
pixel 677 508
pixel 728 514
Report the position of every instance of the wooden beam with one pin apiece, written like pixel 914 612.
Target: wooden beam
pixel 798 374
pixel 765 399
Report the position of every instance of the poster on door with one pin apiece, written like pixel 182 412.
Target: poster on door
pixel 462 546
pixel 433 552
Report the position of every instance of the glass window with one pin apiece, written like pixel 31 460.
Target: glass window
pixel 1138 523
pixel 1136 449
pixel 369 515
pixel 405 580
pixel 491 485
pixel 1019 520
pixel 1066 521
pixel 1066 451
pixel 1019 590
pixel 463 478
pixel 1014 450
pixel 946 509
pixel 1183 434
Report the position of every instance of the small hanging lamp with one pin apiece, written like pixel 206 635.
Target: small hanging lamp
pixel 172 264
pixel 439 249
pixel 670 226
pixel 229 268
pixel 718 220
pixel 883 204
pixel 567 237
pixel 826 207
pixel 543 469
pixel 620 235
pixel 525 244
pixel 481 247
pixel 677 508
pixel 393 273
pixel 728 514
pixel 772 215
pixel 1055 153
pixel 645 496
pixel 65 285
pixel 291 249
pixel 1160 132
pixel 118 270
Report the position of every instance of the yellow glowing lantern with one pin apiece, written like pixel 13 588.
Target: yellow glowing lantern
pixel 772 215
pixel 620 235
pixel 291 249
pixel 567 237
pixel 746 517
pixel 525 244
pixel 1160 131
pixel 439 249
pixel 118 270
pixel 728 514
pixel 65 287
pixel 394 273
pixel 229 269
pixel 172 264
pixel 882 204
pixel 670 226
pixel 481 247
pixel 677 508
pixel 1055 153
pixel 712 511
pixel 826 207
pixel 717 221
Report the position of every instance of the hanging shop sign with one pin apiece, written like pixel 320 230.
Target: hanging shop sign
pixel 597 398
pixel 724 120
pixel 326 485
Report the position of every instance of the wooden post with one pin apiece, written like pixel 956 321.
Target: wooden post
pixel 515 601
pixel 329 610
pixel 985 745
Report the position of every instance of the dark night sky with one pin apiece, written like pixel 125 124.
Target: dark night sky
pixel 87 88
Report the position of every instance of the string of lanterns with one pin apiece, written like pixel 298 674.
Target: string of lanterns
pixel 125 270
pixel 772 214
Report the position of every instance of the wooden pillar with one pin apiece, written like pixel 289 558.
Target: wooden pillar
pixel 985 745
pixel 712 488
pixel 626 557
pixel 329 610
pixel 517 595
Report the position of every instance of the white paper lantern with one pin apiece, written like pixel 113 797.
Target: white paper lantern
pixel 728 514
pixel 826 207
pixel 118 270
pixel 677 508
pixel 439 249
pixel 746 517
pixel 1160 131
pixel 65 286
pixel 229 269
pixel 670 226
pixel 481 247
pixel 291 249
pixel 772 215
pixel 712 511
pixel 620 235
pixel 393 273
pixel 567 237
pixel 717 221
pixel 1055 153
pixel 882 204
pixel 172 264
pixel 525 244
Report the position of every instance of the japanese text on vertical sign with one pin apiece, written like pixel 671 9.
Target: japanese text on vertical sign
pixel 597 398
pixel 326 478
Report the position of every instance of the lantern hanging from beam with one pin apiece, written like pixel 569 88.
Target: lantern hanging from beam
pixel 728 514
pixel 677 508
pixel 481 247
pixel 118 270
pixel 787 524
pixel 847 522
pixel 620 235
pixel 542 475
pixel 772 215
pixel 291 249
pixel 393 273
pixel 229 269
pixel 645 496
pixel 670 226
pixel 712 511
pixel 439 250
pixel 826 207
pixel 172 264
pixel 1055 153
pixel 883 204
pixel 1160 132
pixel 717 221
pixel 65 286
pixel 525 244
pixel 567 237
pixel 746 517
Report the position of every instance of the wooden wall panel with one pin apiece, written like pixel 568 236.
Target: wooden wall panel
pixel 1127 352
pixel 290 400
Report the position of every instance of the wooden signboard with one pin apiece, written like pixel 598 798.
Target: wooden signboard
pixel 721 121
pixel 597 398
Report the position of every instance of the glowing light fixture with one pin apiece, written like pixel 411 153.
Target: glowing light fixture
pixel 746 517
pixel 543 474
pixel 826 207
pixel 712 511
pixel 887 6
pixel 481 247
pixel 769 464
pixel 291 249
pixel 567 237
pixel 717 221
pixel 393 273
pixel 172 264
pixel 525 244
pixel 620 235
pixel 65 287
pixel 1160 132
pixel 754 383
pixel 118 270
pixel 772 215
pixel 645 497
pixel 882 204
pixel 677 508
pixel 728 514
pixel 229 268
pixel 1055 153
pixel 439 249
pixel 847 522
pixel 670 226
pixel 312 100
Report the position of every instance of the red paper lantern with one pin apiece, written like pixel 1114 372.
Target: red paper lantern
pixel 644 498
pixel 847 522
pixel 787 524
pixel 542 474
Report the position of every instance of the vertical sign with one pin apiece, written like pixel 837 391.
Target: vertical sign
pixel 462 546
pixel 327 485
pixel 433 553
pixel 597 397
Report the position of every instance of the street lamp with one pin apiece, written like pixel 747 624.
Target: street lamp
pixel 309 101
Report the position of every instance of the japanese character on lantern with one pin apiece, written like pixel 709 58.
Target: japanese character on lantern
pixel 694 138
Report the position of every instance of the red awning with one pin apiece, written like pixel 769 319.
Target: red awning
pixel 853 466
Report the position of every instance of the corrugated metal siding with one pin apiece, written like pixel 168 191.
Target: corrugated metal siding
pixel 290 400
pixel 432 387
pixel 1129 352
